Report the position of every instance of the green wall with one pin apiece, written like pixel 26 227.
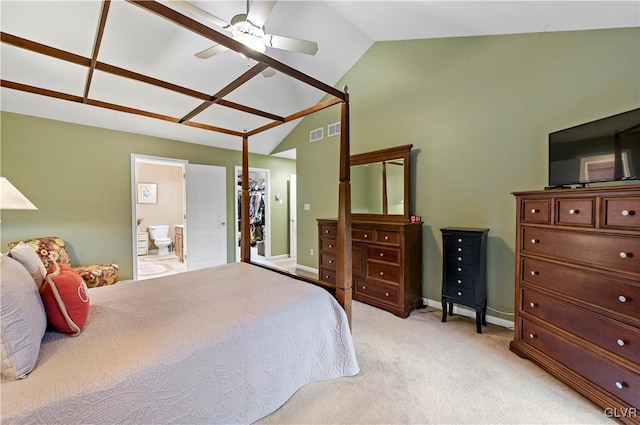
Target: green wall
pixel 79 177
pixel 478 111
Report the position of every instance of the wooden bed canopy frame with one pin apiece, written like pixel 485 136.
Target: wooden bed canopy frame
pixel 342 289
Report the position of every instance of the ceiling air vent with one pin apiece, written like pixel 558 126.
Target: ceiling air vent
pixel 315 135
pixel 333 129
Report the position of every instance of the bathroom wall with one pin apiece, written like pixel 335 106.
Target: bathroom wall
pixel 170 196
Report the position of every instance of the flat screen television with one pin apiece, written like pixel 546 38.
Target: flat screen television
pixel 604 150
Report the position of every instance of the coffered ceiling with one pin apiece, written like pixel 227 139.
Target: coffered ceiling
pixel 147 80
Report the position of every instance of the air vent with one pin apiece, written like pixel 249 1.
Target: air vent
pixel 333 129
pixel 315 135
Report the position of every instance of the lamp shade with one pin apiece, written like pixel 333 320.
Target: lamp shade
pixel 12 199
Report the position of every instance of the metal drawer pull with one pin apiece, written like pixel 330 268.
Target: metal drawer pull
pixel 386 294
pixel 459 293
pixel 459 249
pixel 364 287
pixel 620 385
pixel 330 246
pixel 534 273
pixel 622 299
pixel 459 258
pixel 534 305
pixel 535 240
pixel 330 261
pixel 574 212
pixel 620 342
pixel 627 213
pixel 625 255
pixel 386 238
pixel 459 269
pixel 534 211
pixel 326 231
pixel 459 281
pixel 381 273
pixel 326 276
pixel 533 336
pixel 366 236
pixel 382 254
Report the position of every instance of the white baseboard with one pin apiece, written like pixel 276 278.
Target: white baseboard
pixel 278 257
pixel 469 313
pixel 306 268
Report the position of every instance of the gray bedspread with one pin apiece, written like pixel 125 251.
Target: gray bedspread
pixel 228 344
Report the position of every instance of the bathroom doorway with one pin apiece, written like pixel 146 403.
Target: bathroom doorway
pixel 159 208
pixel 259 212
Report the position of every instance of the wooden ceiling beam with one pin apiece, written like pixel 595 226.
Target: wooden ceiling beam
pixel 106 105
pixel 216 98
pixel 96 46
pixel 300 114
pixel 213 35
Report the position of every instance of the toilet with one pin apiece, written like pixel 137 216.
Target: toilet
pixel 160 237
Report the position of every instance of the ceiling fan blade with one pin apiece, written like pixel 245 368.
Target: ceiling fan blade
pixel 195 10
pixel 268 73
pixel 288 43
pixel 259 12
pixel 211 51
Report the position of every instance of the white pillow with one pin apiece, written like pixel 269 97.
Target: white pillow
pixel 31 261
pixel 23 320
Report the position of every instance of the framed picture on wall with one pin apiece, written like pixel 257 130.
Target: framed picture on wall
pixel 147 193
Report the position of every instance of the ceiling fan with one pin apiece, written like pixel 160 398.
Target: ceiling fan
pixel 248 28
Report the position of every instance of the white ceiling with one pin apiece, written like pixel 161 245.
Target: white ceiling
pixel 137 40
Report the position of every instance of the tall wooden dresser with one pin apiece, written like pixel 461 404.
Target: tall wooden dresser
pixel 387 262
pixel 578 291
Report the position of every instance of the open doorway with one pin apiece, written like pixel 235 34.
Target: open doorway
pixel 259 213
pixel 158 211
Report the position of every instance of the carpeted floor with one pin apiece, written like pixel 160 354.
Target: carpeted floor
pixel 422 371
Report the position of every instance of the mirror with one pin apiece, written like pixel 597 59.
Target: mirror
pixel 380 184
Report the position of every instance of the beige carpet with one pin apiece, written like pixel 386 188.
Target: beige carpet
pixel 422 371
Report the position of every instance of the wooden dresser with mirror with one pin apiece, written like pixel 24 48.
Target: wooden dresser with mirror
pixel 386 245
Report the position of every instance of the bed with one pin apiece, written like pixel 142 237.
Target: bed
pixel 228 344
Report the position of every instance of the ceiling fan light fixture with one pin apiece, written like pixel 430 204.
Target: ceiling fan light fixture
pixel 251 42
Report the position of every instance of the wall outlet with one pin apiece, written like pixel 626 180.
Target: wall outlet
pixel 311 251
pixel 307 207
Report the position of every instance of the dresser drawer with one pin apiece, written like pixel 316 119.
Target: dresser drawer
pixel 328 231
pixel 143 237
pixel 328 260
pixel 456 259
pixel 614 379
pixel 328 245
pixel 622 212
pixel 575 212
pixel 388 237
pixel 618 296
pixel 458 280
pixel 142 250
pixel 611 251
pixel 362 235
pixel 458 292
pixel 536 211
pixel 379 291
pixel 327 275
pixel 457 240
pixel 388 255
pixel 386 273
pixel 616 337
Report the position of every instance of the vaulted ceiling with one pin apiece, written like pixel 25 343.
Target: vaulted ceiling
pixel 146 79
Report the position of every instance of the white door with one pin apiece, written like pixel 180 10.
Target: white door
pixel 293 223
pixel 205 225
